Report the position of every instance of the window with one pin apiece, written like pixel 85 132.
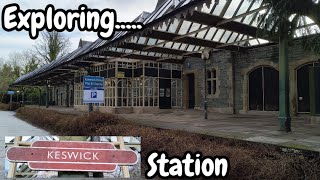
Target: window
pixel 212 82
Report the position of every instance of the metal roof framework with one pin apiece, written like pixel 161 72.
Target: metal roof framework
pixel 174 31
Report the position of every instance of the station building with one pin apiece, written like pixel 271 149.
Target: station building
pixel 162 67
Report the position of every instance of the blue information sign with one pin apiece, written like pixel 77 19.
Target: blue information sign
pixel 93 89
pixel 10 92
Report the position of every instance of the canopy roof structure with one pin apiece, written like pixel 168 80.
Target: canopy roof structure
pixel 175 30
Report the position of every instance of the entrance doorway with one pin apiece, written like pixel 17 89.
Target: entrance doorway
pixel 264 89
pixel 303 87
pixel 165 93
pixel 191 88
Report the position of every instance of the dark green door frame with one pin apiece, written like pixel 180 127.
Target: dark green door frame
pixel 314 85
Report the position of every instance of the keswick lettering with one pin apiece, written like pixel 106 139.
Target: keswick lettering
pixel 57 155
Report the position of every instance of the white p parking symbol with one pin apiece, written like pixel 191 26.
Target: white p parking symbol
pixel 94 94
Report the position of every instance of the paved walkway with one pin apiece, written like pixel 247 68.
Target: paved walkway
pixel 249 127
pixel 256 128
pixel 12 126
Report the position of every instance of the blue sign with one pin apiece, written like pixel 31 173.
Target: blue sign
pixel 93 89
pixel 10 92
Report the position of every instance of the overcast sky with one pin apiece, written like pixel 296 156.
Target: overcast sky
pixel 14 41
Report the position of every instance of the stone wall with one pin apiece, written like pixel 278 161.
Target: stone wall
pixel 232 93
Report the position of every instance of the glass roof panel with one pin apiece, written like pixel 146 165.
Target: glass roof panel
pixel 225 36
pixel 151 41
pixel 232 8
pixel 183 46
pixel 168 44
pixel 244 7
pixel 256 5
pixel 218 35
pixel 184 27
pixel 217 11
pixel 176 45
pixel 190 48
pixel 142 40
pixel 195 27
pixel 173 26
pixel 253 42
pixel 262 41
pixel 151 53
pixel 210 33
pixel 164 27
pixel 205 9
pixel 248 19
pixel 202 33
pixel 233 37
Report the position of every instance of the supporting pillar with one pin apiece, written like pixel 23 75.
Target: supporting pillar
pixel 284 114
pixel 68 95
pixel 47 95
pixel 39 97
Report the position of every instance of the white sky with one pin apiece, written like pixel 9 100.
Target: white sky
pixel 14 41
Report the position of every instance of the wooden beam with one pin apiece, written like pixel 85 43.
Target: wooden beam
pixel 216 21
pixel 191 40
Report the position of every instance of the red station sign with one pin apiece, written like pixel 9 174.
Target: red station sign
pixel 72 156
pixel 73 144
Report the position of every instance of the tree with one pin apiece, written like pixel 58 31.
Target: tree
pixel 24 62
pixel 51 45
pixel 288 16
pixel 282 21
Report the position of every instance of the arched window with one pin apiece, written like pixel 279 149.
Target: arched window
pixel 212 81
pixel 303 87
pixel 264 89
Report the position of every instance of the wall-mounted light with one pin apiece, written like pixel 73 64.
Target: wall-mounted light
pixel 189 65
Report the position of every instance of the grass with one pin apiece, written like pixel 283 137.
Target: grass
pixel 248 160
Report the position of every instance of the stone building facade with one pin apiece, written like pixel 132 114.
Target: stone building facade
pixel 233 73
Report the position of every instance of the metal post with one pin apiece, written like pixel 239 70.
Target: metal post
pixel 205 91
pixel 67 174
pixel 39 97
pixel 10 102
pixel 205 56
pixel 23 97
pixel 47 95
pixel 284 114
pixel 68 95
pixel 96 139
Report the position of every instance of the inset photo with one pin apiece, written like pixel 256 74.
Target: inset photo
pixel 72 156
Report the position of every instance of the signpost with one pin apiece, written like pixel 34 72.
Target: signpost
pixel 72 156
pixel 93 89
pixel 66 166
pixel 10 93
